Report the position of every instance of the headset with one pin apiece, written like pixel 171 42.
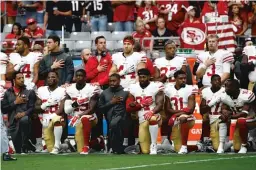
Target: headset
pixel 102 54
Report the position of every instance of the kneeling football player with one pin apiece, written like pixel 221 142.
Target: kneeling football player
pixel 218 121
pixel 147 98
pixel 180 103
pixel 49 103
pixel 81 103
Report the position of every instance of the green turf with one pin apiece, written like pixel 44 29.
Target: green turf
pixel 100 161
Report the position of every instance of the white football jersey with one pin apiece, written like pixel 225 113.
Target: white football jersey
pixel 87 92
pixel 222 65
pixel 44 94
pixel 3 57
pixel 165 65
pixel 123 62
pixel 28 69
pixel 149 92
pixel 207 94
pixel 245 96
pixel 179 98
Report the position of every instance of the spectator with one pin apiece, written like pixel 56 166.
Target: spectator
pixel 174 13
pixel 16 33
pixel 214 9
pixel 37 48
pixel 55 16
pixel 142 33
pixel 252 18
pixel 33 31
pixel 191 12
pixel 98 15
pixel 238 19
pixel 19 103
pixel 78 12
pixel 11 9
pixel 161 31
pixel 148 13
pixel 58 61
pixel 26 9
pixel 40 11
pixel 97 67
pixel 123 15
pixel 112 104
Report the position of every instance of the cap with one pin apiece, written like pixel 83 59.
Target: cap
pixel 30 20
pixel 248 39
pixel 190 8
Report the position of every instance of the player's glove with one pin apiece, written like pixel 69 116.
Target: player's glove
pixel 129 69
pixel 80 101
pixel 148 115
pixel 19 65
pixel 170 73
pixel 48 103
pixel 145 102
pixel 74 121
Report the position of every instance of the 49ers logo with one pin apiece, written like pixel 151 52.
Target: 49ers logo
pixel 193 36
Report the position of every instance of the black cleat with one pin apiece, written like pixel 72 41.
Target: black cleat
pixel 8 157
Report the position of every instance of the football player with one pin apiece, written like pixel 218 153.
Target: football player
pixel 147 98
pixel 49 103
pixel 214 61
pixel 80 103
pixel 218 122
pixel 180 104
pixel 238 104
pixel 127 62
pixel 165 67
pixel 24 61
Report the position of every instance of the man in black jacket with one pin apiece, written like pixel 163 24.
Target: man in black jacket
pixel 19 103
pixel 112 104
pixel 58 61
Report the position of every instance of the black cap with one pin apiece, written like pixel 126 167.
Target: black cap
pixel 143 71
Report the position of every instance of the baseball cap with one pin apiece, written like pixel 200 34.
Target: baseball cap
pixel 30 20
pixel 190 8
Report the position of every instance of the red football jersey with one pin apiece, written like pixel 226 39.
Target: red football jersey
pixel 145 43
pixel 147 14
pixel 124 13
pixel 239 22
pixel 176 15
pixel 222 8
pixel 38 31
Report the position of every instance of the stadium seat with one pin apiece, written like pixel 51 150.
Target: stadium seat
pixel 119 45
pixel 7 28
pixel 40 25
pixel 83 36
pixel 119 35
pixel 106 34
pixel 3 34
pixel 111 27
pixel 80 45
pixel 70 45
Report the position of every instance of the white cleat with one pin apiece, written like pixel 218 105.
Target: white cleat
pixel 55 151
pixel 183 150
pixel 220 151
pixel 153 149
pixel 243 150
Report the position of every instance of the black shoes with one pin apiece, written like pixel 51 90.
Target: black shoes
pixel 8 157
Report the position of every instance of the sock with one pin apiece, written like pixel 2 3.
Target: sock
pixel 163 138
pixel 125 143
pixel 205 130
pixel 86 130
pixel 57 135
pixel 39 141
pixel 222 134
pixel 136 141
pixel 64 146
pixel 243 130
pixel 153 130
pixel 184 133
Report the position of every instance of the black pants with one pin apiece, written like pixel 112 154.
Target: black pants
pixel 71 21
pixel 20 133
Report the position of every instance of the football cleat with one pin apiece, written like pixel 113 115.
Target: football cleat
pixel 220 151
pixel 153 149
pixel 55 151
pixel 183 150
pixel 85 150
pixel 8 157
pixel 243 150
pixel 39 147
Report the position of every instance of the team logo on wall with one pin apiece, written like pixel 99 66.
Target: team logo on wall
pixel 193 36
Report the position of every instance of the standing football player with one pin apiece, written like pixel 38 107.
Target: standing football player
pixel 127 62
pixel 238 104
pixel 180 104
pixel 81 102
pixel 49 103
pixel 218 122
pixel 147 98
pixel 24 61
pixel 214 61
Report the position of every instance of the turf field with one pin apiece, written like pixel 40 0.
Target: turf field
pixel 191 161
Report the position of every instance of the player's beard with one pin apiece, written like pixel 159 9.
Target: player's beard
pixel 144 85
pixel 80 86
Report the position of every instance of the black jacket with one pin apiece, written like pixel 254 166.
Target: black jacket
pixel 65 74
pixel 8 106
pixel 113 110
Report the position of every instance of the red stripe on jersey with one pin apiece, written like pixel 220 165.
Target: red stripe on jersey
pixel 199 60
pixel 228 59
pixel 252 58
